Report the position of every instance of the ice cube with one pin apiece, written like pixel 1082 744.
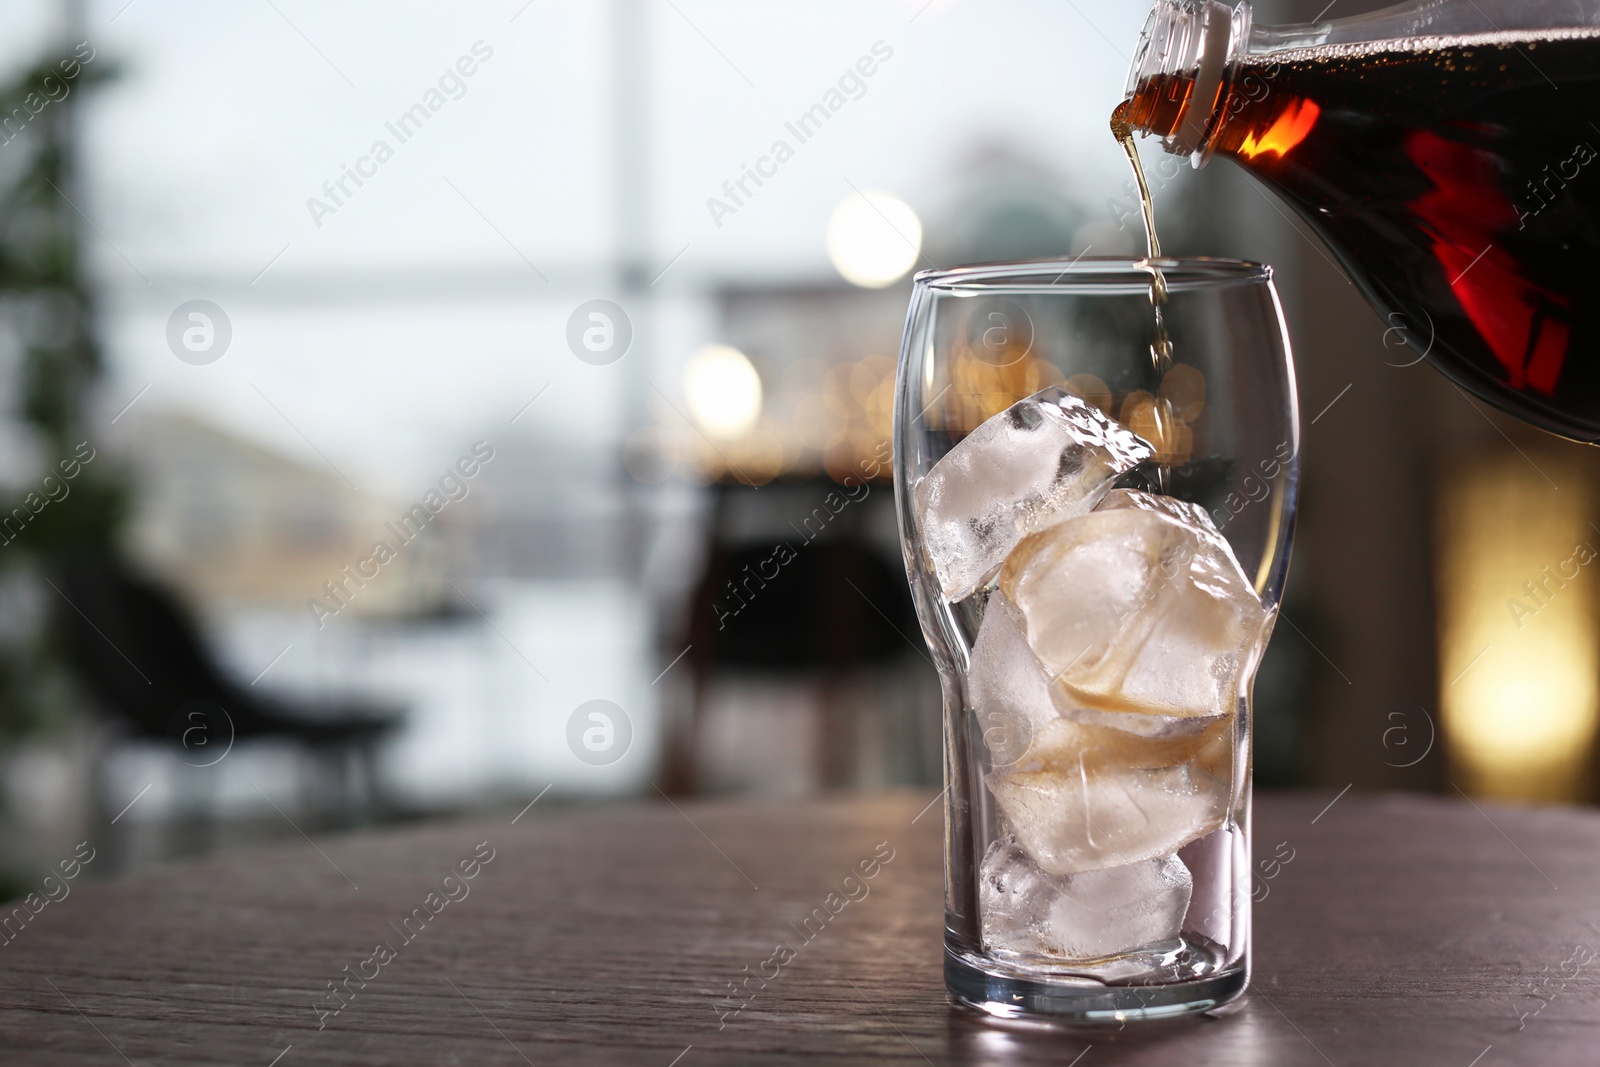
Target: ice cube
pixel 1091 814
pixel 1027 721
pixel 1112 740
pixel 1191 515
pixel 1215 565
pixel 1139 606
pixel 1120 909
pixel 1213 622
pixel 1014 898
pixel 1085 586
pixel 1093 915
pixel 1008 690
pixel 1042 460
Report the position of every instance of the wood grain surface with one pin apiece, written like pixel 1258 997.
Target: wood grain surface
pixel 1403 931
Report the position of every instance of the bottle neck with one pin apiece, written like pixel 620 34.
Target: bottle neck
pixel 1187 52
pixel 1191 50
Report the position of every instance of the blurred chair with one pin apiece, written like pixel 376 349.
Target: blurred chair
pixel 140 655
pixel 834 610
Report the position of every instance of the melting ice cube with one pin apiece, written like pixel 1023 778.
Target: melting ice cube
pixel 1139 605
pixel 1125 740
pixel 1014 898
pixel 1093 915
pixel 1120 909
pixel 1092 814
pixel 1042 460
pixel 1009 691
pixel 1027 722
pixel 1148 631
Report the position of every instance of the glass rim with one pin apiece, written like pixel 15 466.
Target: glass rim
pixel 1095 272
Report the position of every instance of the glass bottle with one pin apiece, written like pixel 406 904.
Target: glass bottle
pixel 1446 152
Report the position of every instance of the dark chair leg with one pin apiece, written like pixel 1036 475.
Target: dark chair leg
pixel 109 841
pixel 343 801
pixel 680 740
pixel 322 785
pixel 836 729
pixel 370 798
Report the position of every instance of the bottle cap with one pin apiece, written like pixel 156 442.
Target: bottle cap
pixel 1177 72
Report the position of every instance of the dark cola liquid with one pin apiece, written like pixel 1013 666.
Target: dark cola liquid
pixel 1458 181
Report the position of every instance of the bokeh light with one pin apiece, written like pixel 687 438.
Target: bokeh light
pixel 874 238
pixel 724 391
pixel 1519 625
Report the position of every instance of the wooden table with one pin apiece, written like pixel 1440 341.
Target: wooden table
pixel 1404 931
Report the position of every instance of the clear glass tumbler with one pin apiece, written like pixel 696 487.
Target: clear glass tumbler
pixel 1096 503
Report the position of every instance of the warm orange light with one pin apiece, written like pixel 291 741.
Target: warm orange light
pixel 1519 627
pixel 1291 128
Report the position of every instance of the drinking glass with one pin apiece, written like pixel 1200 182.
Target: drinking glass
pixel 1209 388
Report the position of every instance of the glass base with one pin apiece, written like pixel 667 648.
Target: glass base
pixel 984 985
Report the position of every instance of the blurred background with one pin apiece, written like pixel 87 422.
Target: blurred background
pixel 412 409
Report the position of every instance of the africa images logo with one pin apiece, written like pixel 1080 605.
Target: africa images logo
pixel 337 192
pixel 199 332
pixel 852 85
pixel 599 733
pixel 599 332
